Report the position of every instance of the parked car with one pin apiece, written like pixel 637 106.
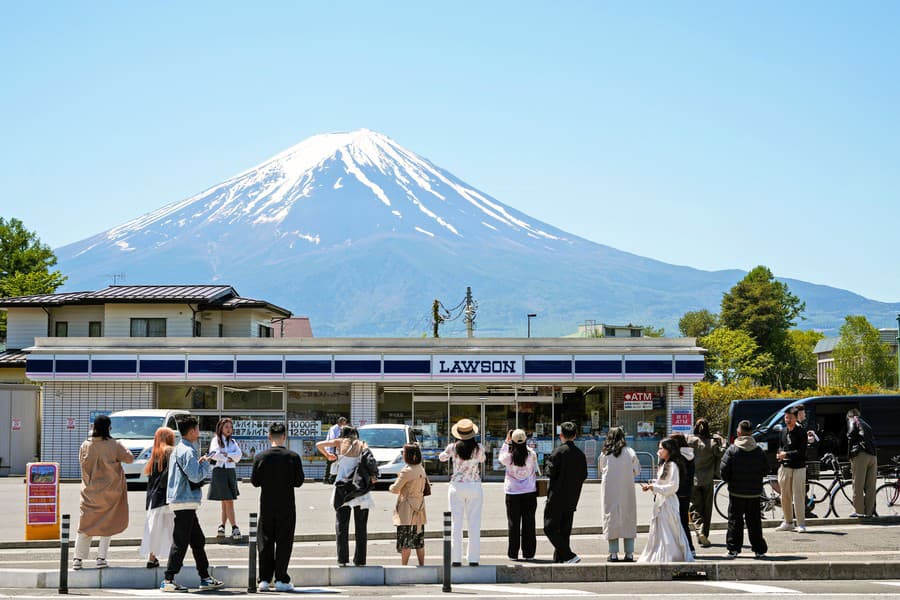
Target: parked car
pixel 135 429
pixel 827 416
pixel 756 410
pixel 386 442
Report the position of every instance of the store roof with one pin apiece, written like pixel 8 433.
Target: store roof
pixel 12 359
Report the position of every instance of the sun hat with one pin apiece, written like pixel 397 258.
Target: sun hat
pixel 464 429
pixel 518 436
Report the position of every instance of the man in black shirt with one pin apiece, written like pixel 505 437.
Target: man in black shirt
pixel 792 472
pixel 567 471
pixel 277 471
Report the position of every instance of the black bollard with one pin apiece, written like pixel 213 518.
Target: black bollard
pixel 251 577
pixel 64 556
pixel 447 538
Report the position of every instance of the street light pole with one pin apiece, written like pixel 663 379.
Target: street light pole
pixel 532 315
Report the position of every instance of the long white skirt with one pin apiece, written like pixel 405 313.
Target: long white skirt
pixel 666 542
pixel 158 528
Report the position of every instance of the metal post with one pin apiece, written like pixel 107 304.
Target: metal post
pixel 530 316
pixel 251 577
pixel 898 351
pixel 447 535
pixel 64 556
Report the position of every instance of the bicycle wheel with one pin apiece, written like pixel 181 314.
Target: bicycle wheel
pixel 842 500
pixel 887 500
pixel 817 494
pixel 770 503
pixel 720 499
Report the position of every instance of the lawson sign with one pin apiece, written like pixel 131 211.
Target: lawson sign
pixel 461 366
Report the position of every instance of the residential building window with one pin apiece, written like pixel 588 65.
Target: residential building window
pixel 61 329
pixel 265 331
pixel 95 329
pixel 197 328
pixel 635 333
pixel 148 328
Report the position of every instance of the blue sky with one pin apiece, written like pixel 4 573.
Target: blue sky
pixel 715 135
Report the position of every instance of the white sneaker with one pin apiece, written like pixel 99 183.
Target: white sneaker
pixel 574 560
pixel 76 564
pixel 263 586
pixel 101 563
pixel 284 587
pixel 784 527
pixel 800 529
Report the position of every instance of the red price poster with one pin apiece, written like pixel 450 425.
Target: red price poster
pixel 42 494
pixel 682 421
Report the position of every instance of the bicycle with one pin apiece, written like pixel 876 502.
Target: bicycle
pixel 887 495
pixel 769 500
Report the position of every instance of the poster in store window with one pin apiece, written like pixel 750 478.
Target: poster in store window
pixel 682 420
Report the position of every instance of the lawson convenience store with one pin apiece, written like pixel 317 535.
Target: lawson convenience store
pixel 642 384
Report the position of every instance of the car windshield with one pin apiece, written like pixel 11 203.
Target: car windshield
pixel 134 427
pixel 771 420
pixel 383 438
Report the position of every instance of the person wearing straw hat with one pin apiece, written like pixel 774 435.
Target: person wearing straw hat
pixel 465 494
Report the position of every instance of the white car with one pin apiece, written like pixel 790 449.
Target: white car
pixel 386 442
pixel 135 429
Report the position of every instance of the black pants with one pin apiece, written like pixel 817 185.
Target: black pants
pixel 187 532
pixel 558 529
pixel 276 541
pixel 360 534
pixel 520 509
pixel 702 505
pixel 684 507
pixel 740 509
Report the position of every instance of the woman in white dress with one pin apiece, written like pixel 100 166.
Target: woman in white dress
pixel 160 522
pixel 666 542
pixel 618 465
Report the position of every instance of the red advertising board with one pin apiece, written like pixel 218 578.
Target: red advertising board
pixel 42 501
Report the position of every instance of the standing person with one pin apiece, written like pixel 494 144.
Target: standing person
pixel 224 453
pixel 567 470
pixel 333 433
pixel 708 451
pixel 863 463
pixel 465 495
pixel 409 512
pixel 520 486
pixel 685 487
pixel 618 465
pixel 160 522
pixel 104 493
pixel 743 468
pixel 186 475
pixel 666 541
pixel 352 491
pixel 277 471
pixel 792 472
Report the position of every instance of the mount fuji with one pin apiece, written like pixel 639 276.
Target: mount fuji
pixel 361 235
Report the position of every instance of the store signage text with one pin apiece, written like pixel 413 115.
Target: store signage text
pixel 478 366
pixel 638 400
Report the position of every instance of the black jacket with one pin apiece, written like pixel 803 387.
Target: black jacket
pixel 860 438
pixel 567 470
pixel 794 445
pixel 277 471
pixel 157 483
pixel 744 466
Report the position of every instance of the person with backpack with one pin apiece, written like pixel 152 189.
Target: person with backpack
pixel 686 487
pixel 276 471
pixel 160 522
pixel 187 474
pixel 355 476
pixel 863 463
pixel 743 467
pixel 409 512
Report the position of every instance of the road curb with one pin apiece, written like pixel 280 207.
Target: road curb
pixel 310 576
pixel 390 535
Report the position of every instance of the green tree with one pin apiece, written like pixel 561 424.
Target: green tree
pixel 25 265
pixel 697 323
pixel 860 357
pixel 765 309
pixel 733 355
pixel 799 372
pixel 651 331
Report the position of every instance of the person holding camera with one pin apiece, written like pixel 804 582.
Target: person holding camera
pixel 792 472
pixel 520 485
pixel 187 473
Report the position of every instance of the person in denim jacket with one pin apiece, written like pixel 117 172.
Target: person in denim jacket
pixel 184 500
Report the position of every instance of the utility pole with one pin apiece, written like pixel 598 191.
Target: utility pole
pixel 470 313
pixel 436 318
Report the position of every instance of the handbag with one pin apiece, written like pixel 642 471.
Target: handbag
pixel 359 483
pixel 543 487
pixel 427 490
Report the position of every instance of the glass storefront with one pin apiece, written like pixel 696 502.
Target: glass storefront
pixel 311 411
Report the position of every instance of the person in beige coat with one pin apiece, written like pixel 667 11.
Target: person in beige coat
pixel 409 512
pixel 104 494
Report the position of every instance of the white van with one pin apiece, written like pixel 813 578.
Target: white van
pixel 386 442
pixel 135 429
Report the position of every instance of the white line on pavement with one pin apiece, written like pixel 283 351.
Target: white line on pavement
pixel 522 590
pixel 752 588
pixel 895 583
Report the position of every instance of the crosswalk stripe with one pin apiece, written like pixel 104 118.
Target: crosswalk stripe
pixel 523 590
pixel 752 588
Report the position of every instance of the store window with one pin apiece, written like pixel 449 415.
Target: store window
pixel 187 397
pixel 254 397
pixel 395 406
pixel 588 408
pixel 311 411
pixel 641 412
